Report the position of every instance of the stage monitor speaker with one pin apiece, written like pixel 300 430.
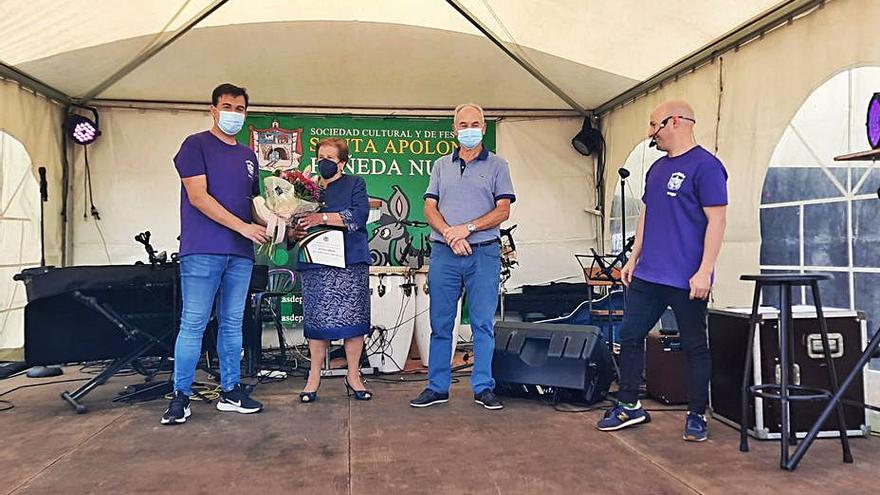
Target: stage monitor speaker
pixel 531 358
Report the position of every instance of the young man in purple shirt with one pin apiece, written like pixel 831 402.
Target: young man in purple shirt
pixel 217 235
pixel 679 234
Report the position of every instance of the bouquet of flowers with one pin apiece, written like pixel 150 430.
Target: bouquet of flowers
pixel 288 196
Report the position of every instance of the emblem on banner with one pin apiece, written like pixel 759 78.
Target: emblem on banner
pixel 276 148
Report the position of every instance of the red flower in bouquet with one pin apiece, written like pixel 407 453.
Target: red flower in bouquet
pixel 304 187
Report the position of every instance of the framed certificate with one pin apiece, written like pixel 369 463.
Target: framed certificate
pixel 323 246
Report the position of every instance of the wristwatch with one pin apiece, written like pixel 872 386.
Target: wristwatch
pixel 324 218
pixel 471 227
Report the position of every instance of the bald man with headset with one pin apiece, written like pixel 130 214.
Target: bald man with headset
pixel 678 238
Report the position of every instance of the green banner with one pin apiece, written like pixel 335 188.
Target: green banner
pixel 394 155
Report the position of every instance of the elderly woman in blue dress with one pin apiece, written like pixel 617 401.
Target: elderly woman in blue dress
pixel 336 301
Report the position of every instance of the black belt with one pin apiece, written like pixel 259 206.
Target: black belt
pixel 479 244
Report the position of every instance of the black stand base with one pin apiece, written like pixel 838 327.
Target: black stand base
pixel 44 372
pixel 145 391
pixel 131 332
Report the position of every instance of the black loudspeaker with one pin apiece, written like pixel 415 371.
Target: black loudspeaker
pixel 541 359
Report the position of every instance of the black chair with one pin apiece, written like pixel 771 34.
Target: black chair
pixel 786 392
pixel 267 308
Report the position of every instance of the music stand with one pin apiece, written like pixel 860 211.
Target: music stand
pixel 603 271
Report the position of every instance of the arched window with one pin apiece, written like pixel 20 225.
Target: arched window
pixel 638 162
pixel 19 235
pixel 822 215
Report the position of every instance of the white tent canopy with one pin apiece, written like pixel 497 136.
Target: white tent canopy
pixel 381 53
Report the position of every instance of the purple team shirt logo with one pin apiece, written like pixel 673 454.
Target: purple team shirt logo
pixel 674 184
pixel 251 168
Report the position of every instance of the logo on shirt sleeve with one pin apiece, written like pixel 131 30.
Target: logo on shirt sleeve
pixel 251 168
pixel 674 184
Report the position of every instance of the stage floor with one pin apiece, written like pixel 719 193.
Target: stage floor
pixel 386 447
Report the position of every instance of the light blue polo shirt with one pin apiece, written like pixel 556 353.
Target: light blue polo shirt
pixel 465 192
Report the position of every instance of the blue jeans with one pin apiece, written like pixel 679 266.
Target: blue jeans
pixel 478 274
pixel 205 278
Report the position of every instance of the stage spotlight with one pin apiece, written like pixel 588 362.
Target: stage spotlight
pixel 589 140
pixel 873 122
pixel 81 129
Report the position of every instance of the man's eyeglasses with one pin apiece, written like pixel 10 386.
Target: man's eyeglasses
pixel 666 120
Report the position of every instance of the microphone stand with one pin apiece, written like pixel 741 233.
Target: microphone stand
pixel 44 197
pixel 623 173
pixel 43 371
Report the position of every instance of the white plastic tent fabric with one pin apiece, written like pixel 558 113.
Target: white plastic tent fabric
pixel 377 53
pixel 29 138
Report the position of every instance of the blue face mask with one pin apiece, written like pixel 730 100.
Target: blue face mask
pixel 327 168
pixel 471 137
pixel 230 122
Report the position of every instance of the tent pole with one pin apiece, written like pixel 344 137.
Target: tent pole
pixel 147 55
pixel 456 4
pixel 32 83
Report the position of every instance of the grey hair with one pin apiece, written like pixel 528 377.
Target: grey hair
pixel 476 107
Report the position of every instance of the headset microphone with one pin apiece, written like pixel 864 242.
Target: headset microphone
pixel 653 143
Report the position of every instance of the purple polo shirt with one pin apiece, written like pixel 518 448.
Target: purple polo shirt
pixel 676 191
pixel 233 179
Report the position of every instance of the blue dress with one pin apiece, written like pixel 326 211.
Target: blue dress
pixel 336 301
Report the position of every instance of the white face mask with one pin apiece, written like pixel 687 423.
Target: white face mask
pixel 230 122
pixel 470 137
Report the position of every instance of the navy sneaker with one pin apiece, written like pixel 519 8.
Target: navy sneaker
pixel 487 399
pixel 178 409
pixel 695 428
pixel 429 398
pixel 620 417
pixel 237 400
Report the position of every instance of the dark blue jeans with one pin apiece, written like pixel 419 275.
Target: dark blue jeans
pixel 645 304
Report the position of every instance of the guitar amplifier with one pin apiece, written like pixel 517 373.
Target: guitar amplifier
pixel 728 333
pixel 665 367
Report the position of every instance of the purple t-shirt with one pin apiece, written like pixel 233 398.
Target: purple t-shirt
pixel 676 191
pixel 233 179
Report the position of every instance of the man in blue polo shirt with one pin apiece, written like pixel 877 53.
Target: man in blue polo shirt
pixel 678 238
pixel 468 197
